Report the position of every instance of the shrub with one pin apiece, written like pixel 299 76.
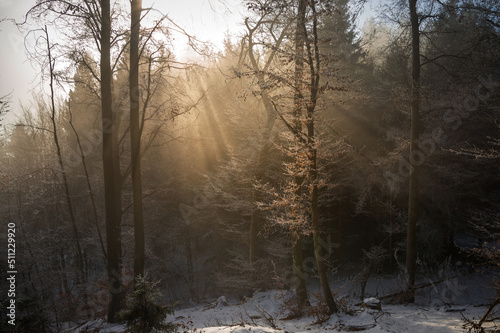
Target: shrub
pixel 288 305
pixel 142 313
pixel 318 309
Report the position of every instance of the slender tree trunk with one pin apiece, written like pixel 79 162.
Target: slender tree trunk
pixel 315 73
pixel 415 157
pixel 63 172
pixel 64 272
pixel 89 185
pixel 135 138
pixel 298 270
pixel 112 200
pixel 189 260
pixel 338 236
pixel 298 103
pixel 323 279
pixel 254 227
pixel 391 237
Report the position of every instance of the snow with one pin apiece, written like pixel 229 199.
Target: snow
pixel 246 317
pixel 439 310
pixel 249 329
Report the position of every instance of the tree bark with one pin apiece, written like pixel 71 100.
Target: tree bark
pixel 415 153
pixel 298 270
pixel 315 68
pixel 298 102
pixel 323 279
pixel 254 227
pixel 135 139
pixel 190 269
pixel 112 191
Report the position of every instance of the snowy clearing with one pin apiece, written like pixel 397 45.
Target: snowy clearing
pixel 261 312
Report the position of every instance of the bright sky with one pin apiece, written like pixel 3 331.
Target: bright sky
pixel 16 73
pixel 208 20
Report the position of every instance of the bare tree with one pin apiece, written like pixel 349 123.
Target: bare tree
pixel 306 89
pixel 297 251
pixel 276 25
pixel 51 64
pixel 111 168
pixel 135 138
pixel 411 238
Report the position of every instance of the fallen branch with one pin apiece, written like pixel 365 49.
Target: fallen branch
pixel 471 325
pixel 401 293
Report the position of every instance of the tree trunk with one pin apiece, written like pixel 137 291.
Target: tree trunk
pixel 323 279
pixel 391 238
pixel 189 261
pixel 254 228
pixel 135 139
pixel 112 200
pixel 416 157
pixel 297 251
pixel 315 72
pixel 338 236
pixel 63 173
pixel 298 270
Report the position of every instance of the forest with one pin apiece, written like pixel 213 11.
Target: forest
pixel 319 173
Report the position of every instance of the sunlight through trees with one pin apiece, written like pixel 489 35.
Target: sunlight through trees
pixel 336 164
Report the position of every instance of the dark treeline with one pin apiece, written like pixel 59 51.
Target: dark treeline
pixel 283 160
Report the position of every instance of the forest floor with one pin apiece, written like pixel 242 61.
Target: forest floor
pixel 439 308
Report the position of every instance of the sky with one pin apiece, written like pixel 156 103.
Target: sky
pixel 205 19
pixel 208 20
pixel 16 73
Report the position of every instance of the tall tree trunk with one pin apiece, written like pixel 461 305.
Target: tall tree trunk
pixel 254 226
pixel 112 199
pixel 415 153
pixel 391 237
pixel 190 268
pixel 315 73
pixel 323 279
pixel 298 270
pixel 298 103
pixel 135 139
pixel 338 234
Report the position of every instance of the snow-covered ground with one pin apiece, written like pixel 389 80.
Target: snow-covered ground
pixel 261 312
pixel 247 317
pixel 437 310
